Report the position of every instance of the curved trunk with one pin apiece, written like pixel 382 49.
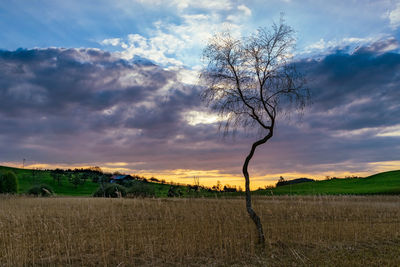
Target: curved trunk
pixel 252 213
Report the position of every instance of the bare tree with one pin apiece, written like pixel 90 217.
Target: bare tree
pixel 250 81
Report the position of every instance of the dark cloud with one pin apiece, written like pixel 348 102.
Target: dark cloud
pixel 382 46
pixel 85 105
pixel 58 92
pixel 166 116
pixel 354 91
pixel 61 80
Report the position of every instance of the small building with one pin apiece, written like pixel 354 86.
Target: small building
pixel 120 178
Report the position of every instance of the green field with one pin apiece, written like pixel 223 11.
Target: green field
pixel 26 179
pixel 381 183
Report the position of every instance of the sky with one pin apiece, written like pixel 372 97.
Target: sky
pixel 114 84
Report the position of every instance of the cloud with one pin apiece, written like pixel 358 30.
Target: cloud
pixel 179 42
pixel 393 131
pixel 381 46
pixel 184 4
pixel 57 81
pixel 354 117
pixel 360 88
pixel 197 117
pixel 111 41
pixel 74 106
pixel 48 93
pixel 394 17
pixel 350 44
pixel 246 11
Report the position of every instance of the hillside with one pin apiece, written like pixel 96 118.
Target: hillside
pixel 28 178
pixel 381 183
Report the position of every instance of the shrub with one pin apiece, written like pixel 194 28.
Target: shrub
pixel 76 179
pixel 174 191
pixel 41 190
pixel 282 181
pixel 141 189
pixel 99 192
pixel 154 180
pixel 110 190
pixel 8 183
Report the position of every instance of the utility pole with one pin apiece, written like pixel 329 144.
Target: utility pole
pixel 23 163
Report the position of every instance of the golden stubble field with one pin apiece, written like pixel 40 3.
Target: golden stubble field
pixel 300 231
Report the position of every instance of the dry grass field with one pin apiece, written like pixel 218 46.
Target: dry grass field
pixel 300 231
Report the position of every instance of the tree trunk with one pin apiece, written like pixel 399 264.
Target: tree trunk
pixel 252 213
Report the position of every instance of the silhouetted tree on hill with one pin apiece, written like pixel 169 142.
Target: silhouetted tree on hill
pixel 250 81
pixel 57 174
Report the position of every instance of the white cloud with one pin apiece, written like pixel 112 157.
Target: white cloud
pixel 154 48
pixel 185 4
pixel 188 76
pixel 170 44
pixel 393 131
pixel 203 4
pixel 326 46
pixel 198 117
pixel 355 133
pixel 394 17
pixel 212 4
pixel 245 10
pixel 178 46
pixel 111 41
pixel 241 14
pixel 320 45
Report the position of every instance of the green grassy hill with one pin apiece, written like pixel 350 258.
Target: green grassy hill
pixel 381 183
pixel 27 178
